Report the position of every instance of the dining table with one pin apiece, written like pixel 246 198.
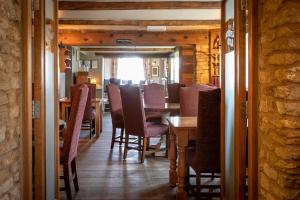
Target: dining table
pixel 167 107
pixel 96 103
pixel 181 130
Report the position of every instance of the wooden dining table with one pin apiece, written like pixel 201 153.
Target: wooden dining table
pixel 167 107
pixel 96 102
pixel 181 130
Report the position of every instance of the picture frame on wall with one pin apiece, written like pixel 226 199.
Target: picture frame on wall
pixel 155 71
pixel 94 64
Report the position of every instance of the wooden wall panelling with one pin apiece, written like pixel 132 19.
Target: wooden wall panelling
pixel 187 64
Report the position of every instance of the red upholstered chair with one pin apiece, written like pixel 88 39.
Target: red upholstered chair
pixel 116 112
pixel 135 120
pixel 154 94
pixel 205 156
pixel 189 99
pixel 68 151
pixel 115 81
pixel 173 92
pixel 90 112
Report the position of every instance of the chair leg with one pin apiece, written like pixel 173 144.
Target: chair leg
pixel 74 173
pixel 126 146
pixel 113 137
pixel 67 181
pixel 121 136
pixel 91 128
pixel 140 142
pixel 144 149
pixel 198 184
pixel 167 145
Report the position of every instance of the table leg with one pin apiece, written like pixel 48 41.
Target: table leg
pixel 98 115
pixel 182 141
pixel 172 158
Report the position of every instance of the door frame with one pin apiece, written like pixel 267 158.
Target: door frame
pixel 27 99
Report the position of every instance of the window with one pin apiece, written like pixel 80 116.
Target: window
pixel 131 69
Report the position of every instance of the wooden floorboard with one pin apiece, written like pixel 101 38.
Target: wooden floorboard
pixel 103 174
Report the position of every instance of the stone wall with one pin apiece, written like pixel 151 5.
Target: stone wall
pixel 10 98
pixel 279 99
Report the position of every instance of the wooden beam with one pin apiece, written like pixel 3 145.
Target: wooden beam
pixel 140 22
pixel 141 50
pixel 143 55
pixel 96 38
pixel 73 5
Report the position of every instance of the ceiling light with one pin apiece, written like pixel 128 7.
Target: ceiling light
pixel 156 28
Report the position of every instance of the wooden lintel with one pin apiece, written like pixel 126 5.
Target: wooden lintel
pixel 141 22
pixel 129 49
pixel 143 55
pixel 96 38
pixel 74 5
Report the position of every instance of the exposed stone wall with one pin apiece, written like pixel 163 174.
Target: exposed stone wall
pixel 279 99
pixel 10 98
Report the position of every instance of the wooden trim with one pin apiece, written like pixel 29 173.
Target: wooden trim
pixel 240 98
pixel 253 101
pixel 223 50
pixel 140 22
pixel 56 99
pixel 129 49
pixel 73 5
pixel 39 95
pixel 27 99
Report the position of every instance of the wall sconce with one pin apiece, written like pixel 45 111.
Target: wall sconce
pixel 93 81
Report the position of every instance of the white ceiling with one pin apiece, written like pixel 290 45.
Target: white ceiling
pixel 159 14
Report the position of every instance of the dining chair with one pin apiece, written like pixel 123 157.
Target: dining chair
pixel 204 157
pixel 116 113
pixel 189 99
pixel 135 120
pixel 68 150
pixel 89 118
pixel 154 94
pixel 173 92
pixel 115 81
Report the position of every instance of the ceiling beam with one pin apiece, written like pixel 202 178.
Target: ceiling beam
pixel 96 38
pixel 143 55
pixel 132 49
pixel 141 22
pixel 73 5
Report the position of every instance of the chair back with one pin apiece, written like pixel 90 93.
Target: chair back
pixel 88 113
pixel 71 135
pixel 114 81
pixel 189 99
pixel 115 102
pixel 173 92
pixel 154 94
pixel 208 127
pixel 133 110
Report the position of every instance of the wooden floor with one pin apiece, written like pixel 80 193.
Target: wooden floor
pixel 103 174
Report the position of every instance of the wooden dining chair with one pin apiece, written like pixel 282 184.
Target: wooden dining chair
pixel 89 119
pixel 68 151
pixel 135 120
pixel 154 94
pixel 116 113
pixel 189 99
pixel 204 157
pixel 173 92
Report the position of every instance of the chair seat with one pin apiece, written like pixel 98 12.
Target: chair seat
pixel 90 115
pixel 154 130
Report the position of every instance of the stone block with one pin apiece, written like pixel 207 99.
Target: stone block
pixel 283 58
pixel 288 92
pixel 288 108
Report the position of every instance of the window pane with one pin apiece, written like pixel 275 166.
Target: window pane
pixel 131 69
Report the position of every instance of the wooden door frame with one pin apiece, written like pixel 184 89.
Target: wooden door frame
pixel 239 176
pixel 27 99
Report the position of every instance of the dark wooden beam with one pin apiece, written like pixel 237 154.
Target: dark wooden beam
pixel 138 50
pixel 100 38
pixel 141 22
pixel 143 55
pixel 73 5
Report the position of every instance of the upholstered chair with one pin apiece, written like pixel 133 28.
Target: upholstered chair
pixel 173 92
pixel 189 99
pixel 204 157
pixel 135 120
pixel 68 150
pixel 154 94
pixel 89 122
pixel 116 112
pixel 114 81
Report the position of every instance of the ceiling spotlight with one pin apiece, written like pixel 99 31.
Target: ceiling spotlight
pixel 156 28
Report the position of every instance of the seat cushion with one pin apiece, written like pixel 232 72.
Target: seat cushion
pixel 153 117
pixel 154 129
